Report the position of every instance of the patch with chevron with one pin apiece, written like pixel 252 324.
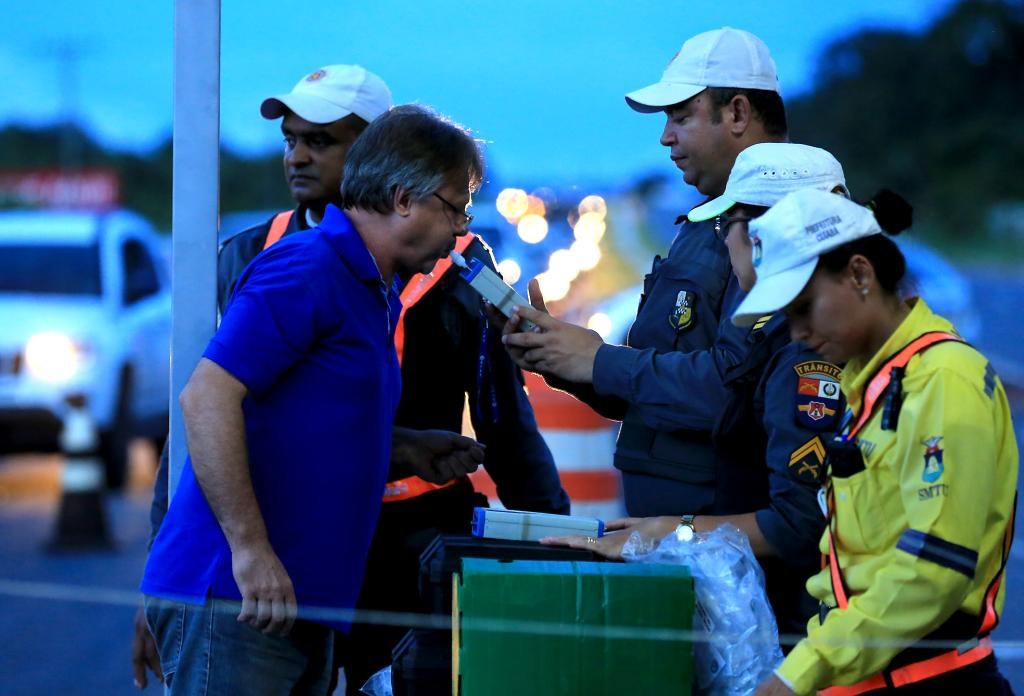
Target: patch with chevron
pixel 808 460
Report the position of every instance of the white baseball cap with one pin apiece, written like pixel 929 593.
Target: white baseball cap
pixel 331 93
pixel 788 240
pixel 724 57
pixel 765 172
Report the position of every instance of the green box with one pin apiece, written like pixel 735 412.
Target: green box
pixel 571 627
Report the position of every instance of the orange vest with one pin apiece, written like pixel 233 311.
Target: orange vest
pixel 974 650
pixel 418 286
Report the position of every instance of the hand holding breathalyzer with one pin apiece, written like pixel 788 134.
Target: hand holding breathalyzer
pixel 555 348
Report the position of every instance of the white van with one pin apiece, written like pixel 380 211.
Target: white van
pixel 85 309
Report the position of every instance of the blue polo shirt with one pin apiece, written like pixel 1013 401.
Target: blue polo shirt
pixel 310 333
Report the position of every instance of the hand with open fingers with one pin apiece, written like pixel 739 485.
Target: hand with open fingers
pixel 268 598
pixel 559 349
pixel 144 654
pixel 650 528
pixel 437 456
pixel 774 687
pixel 609 545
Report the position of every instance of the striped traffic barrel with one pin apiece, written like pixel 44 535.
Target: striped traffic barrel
pixel 582 443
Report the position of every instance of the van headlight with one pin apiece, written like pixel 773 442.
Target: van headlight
pixel 53 357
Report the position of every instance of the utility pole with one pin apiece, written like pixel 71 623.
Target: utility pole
pixel 196 180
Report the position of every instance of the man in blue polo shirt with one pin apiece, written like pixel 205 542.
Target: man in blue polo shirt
pixel 289 444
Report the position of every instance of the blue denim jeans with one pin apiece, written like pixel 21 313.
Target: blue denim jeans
pixel 204 650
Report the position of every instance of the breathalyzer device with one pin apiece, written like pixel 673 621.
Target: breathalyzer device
pixel 491 287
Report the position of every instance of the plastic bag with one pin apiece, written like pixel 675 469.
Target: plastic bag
pixel 379 684
pixel 740 645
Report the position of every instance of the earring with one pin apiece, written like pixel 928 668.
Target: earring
pixel 864 292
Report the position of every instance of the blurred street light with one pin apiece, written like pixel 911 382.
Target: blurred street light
pixel 532 229
pixel 536 206
pixel 586 254
pixel 601 323
pixel 510 271
pixel 553 286
pixel 512 203
pixel 590 227
pixel 593 204
pixel 563 263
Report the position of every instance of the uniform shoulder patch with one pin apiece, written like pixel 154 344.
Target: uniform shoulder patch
pixel 682 314
pixel 818 396
pixel 807 460
pixel 933 465
pixel 819 367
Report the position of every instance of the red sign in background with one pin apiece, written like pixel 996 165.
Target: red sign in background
pixel 54 188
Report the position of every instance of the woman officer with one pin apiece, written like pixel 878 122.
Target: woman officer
pixel 922 485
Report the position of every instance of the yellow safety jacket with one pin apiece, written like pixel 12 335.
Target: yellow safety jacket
pixel 922 532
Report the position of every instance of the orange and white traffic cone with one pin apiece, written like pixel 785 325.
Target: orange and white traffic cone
pixel 81 520
pixel 583 445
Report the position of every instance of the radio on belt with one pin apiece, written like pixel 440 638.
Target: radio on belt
pixel 491 287
pixel 518 525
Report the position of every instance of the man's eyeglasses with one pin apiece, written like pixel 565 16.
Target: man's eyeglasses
pixel 724 222
pixel 458 213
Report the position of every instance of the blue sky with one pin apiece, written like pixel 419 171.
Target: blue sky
pixel 540 80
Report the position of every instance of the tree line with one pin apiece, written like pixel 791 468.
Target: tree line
pixel 935 116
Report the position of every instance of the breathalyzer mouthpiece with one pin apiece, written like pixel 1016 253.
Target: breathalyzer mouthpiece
pixel 457 259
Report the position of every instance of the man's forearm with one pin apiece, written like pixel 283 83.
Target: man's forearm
pixel 611 407
pixel 667 391
pixel 215 429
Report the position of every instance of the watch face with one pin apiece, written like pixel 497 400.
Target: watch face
pixel 684 532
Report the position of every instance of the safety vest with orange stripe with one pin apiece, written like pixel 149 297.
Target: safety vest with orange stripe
pixel 417 287
pixel 883 391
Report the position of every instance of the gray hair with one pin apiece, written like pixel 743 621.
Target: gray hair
pixel 413 147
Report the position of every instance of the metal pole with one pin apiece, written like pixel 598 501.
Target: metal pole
pixel 196 179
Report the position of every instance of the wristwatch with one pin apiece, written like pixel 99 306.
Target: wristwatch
pixel 685 531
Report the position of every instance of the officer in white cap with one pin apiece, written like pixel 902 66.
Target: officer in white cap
pixel 719 96
pixel 320 119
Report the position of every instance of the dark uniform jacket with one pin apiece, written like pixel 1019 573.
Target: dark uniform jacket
pixel 666 385
pixel 770 458
pixel 710 413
